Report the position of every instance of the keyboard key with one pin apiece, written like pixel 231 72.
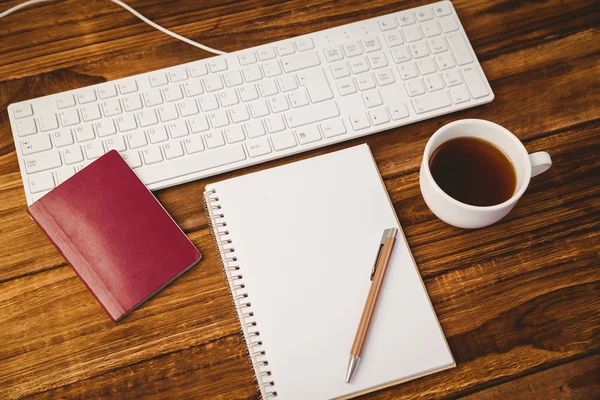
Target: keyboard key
pixel 128 86
pixel 414 87
pixel 287 83
pixel 83 133
pixel 24 110
pixel 385 77
pixel 62 101
pixel 459 94
pixel 177 74
pixel 172 150
pixel 393 38
pixel 247 58
pixel 448 24
pixel 254 129
pixel 304 44
pixel 26 127
pixel 147 118
pixel 234 134
pixel 115 143
pixel 167 112
pixel 476 85
pixel 41 182
pixel 346 86
pixel 64 173
pixel 412 34
pixel 213 83
pixel 111 107
pixel 332 128
pixel 359 65
pixel 157 134
pixel 152 155
pixel 42 162
pixel 72 155
pixel 387 23
pixel 259 109
pixel 208 102
pixel 452 78
pixel 266 53
pixel 424 14
pixel 400 54
pixel 93 150
pixel 90 112
pixel 430 102
pixel 239 114
pixel 69 117
pixel 35 144
pixel 407 71
pixel 105 128
pixel 194 163
pixel 248 93
pixel 217 64
pixel 228 98
pixel 198 69
pixel 437 45
pixel 136 139
pixel 298 99
pixel 430 29
pixel 193 88
pixel 316 84
pixel 418 50
pixel 271 68
pixel 233 78
pixel 300 61
pixel 307 115
pixel 85 96
pixel 365 81
pixel 426 66
pixel 258 147
pixel 178 129
pixel 252 73
pixel 152 98
pixel 218 118
pixel 198 124
pixel 187 108
pixel 339 70
pixel 275 124
pixel 193 144
pixel 158 79
pixel 62 138
pixel 308 134
pixel 47 122
pixel 360 121
pixel 278 104
pixel 352 49
pixel 433 83
pixel 372 98
pixel 441 10
pixel 377 60
pixel 132 102
pixel 283 141
pixel 132 158
pixel 379 116
pixel 107 91
pixel 285 48
pixel 371 44
pixel 214 139
pixel 333 54
pixel 126 123
pixel 398 111
pixel 444 61
pixel 172 93
pixel 459 48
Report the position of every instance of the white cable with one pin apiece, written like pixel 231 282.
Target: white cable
pixel 137 14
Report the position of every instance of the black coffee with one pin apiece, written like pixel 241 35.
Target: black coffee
pixel 473 171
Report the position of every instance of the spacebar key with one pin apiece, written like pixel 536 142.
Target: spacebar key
pixel 190 163
pixel 308 115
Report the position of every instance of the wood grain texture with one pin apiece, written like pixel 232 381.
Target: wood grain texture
pixel 518 301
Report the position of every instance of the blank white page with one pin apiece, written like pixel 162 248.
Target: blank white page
pixel 306 236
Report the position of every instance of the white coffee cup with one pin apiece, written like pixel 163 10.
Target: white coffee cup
pixel 464 215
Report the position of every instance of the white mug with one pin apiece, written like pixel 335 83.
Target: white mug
pixel 464 215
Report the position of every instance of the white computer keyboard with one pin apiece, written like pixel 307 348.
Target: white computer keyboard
pixel 206 117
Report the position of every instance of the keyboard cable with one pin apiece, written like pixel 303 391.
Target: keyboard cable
pixel 134 12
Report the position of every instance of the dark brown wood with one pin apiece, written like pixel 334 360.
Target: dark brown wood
pixel 519 301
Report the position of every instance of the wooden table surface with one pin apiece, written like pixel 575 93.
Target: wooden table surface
pixel 519 301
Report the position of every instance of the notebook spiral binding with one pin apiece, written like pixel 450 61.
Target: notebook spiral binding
pixel 240 299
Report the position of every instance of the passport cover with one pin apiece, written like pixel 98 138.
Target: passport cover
pixel 114 233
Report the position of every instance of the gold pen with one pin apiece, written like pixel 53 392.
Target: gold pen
pixel 381 263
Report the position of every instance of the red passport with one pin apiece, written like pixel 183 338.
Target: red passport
pixel 115 234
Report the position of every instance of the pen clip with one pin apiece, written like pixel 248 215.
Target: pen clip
pixel 388 233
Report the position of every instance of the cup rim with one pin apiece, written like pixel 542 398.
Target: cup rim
pixel 516 195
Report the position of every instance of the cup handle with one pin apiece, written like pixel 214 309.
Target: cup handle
pixel 540 162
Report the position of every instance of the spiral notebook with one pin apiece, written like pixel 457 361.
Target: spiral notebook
pixel 298 244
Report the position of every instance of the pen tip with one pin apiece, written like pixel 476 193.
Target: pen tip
pixel 352 364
